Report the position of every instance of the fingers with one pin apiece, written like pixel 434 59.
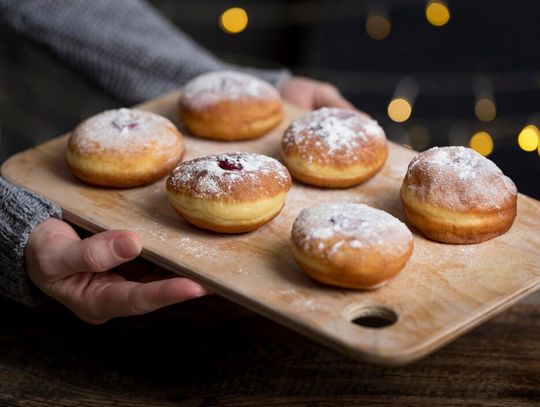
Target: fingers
pixel 329 96
pixel 128 298
pixel 302 98
pixel 45 248
pixel 72 271
pixel 55 251
pixel 99 253
pixel 310 94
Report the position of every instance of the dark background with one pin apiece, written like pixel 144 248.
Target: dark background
pixel 40 97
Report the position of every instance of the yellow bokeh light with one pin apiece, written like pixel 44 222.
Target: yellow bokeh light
pixel 399 110
pixel 233 20
pixel 437 13
pixel 485 109
pixel 378 26
pixel 528 138
pixel 482 143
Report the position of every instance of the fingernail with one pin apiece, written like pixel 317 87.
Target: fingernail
pixel 126 247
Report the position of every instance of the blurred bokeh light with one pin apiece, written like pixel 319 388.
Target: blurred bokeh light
pixel 399 109
pixel 233 20
pixel 482 143
pixel 485 109
pixel 529 137
pixel 378 25
pixel 437 12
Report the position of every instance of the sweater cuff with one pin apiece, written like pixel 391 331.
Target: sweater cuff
pixel 20 212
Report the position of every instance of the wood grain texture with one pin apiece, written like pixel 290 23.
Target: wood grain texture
pixel 443 291
pixel 211 352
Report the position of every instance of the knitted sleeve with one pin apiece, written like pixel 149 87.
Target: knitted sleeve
pixel 20 212
pixel 125 46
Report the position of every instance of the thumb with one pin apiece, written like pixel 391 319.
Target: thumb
pixel 100 252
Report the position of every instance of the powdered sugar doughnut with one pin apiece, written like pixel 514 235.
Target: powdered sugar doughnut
pixel 350 245
pixel 231 193
pixel 455 195
pixel 229 105
pixel 124 148
pixel 333 147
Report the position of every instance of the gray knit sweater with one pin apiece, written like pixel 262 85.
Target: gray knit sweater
pixel 127 48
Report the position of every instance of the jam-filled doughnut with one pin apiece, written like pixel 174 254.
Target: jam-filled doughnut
pixel 124 148
pixel 227 105
pixel 350 245
pixel 333 147
pixel 455 195
pixel 229 193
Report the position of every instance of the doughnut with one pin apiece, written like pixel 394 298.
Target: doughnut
pixel 350 245
pixel 124 148
pixel 332 147
pixel 455 195
pixel 227 105
pixel 229 193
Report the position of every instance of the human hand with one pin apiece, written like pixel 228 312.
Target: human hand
pixel 81 274
pixel 311 94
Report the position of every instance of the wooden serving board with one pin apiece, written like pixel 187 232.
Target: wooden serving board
pixel 443 291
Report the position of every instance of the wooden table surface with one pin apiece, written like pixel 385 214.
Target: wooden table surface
pixel 212 352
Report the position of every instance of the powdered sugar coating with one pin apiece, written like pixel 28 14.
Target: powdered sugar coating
pixel 214 87
pixel 327 132
pixel 458 178
pixel 331 227
pixel 204 178
pixel 124 131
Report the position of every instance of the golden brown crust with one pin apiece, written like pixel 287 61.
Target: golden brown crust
pixel 457 228
pixel 454 195
pixel 231 193
pixel 124 148
pixel 377 270
pixel 334 148
pixel 230 105
pixel 350 245
pixel 208 224
pixel 233 120
pixel 124 178
pixel 337 175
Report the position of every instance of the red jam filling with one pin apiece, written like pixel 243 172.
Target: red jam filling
pixel 121 125
pixel 230 164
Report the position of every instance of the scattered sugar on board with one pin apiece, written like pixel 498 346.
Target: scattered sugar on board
pixel 310 304
pixel 190 247
pixel 151 231
pixel 124 130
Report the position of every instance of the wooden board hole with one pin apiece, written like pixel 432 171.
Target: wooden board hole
pixel 375 316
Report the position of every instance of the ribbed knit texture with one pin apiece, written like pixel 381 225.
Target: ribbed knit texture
pixel 125 46
pixel 20 212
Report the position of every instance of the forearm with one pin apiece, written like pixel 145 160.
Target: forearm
pixel 20 212
pixel 127 47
